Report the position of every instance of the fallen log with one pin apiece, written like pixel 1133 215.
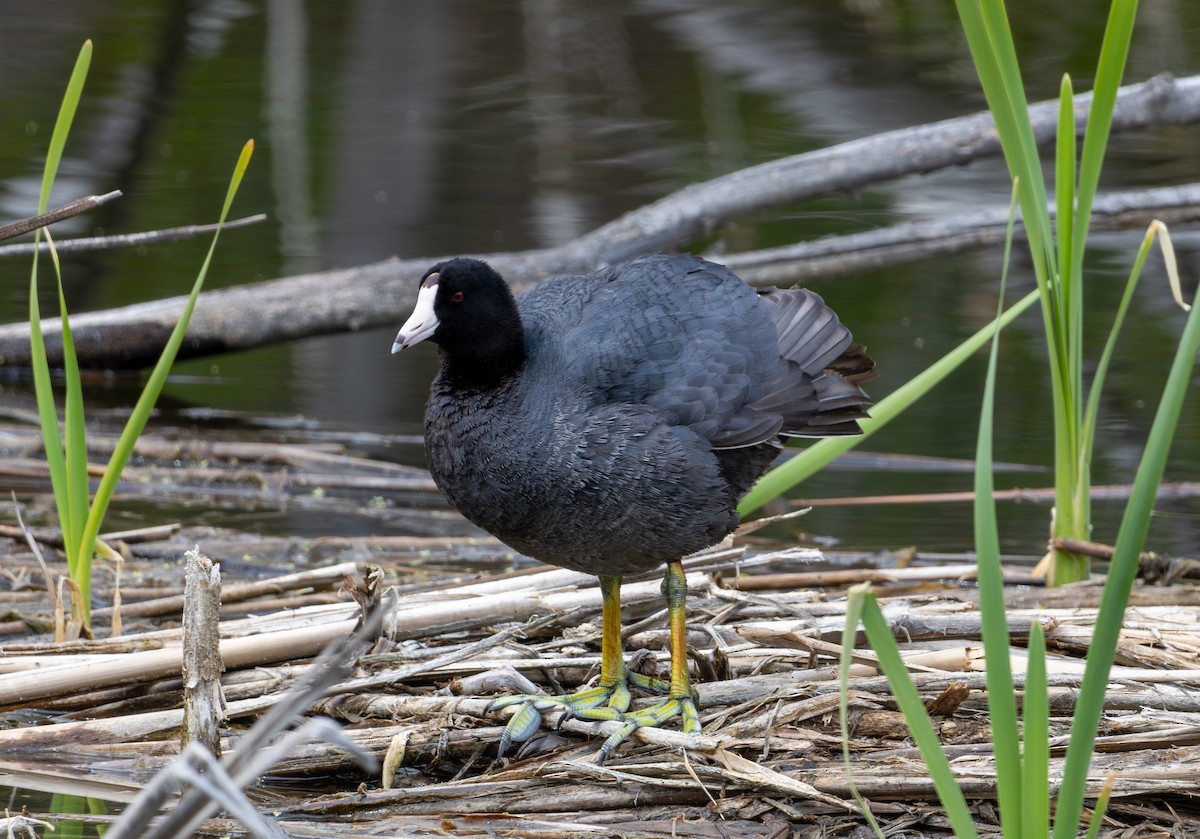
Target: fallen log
pixel 380 294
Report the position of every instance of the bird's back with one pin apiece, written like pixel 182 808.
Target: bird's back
pixel 688 338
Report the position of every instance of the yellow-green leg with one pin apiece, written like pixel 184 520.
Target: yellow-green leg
pixel 679 701
pixel 609 700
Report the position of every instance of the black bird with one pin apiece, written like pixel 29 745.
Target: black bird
pixel 610 422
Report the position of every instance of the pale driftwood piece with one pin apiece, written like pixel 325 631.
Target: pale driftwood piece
pixel 33 773
pixel 196 449
pixel 840 256
pixel 540 578
pixel 67 678
pixel 313 617
pixel 70 736
pixel 314 578
pixel 423 668
pixel 276 604
pixel 853 576
pixel 515 796
pixel 203 699
pixel 316 618
pixel 420 620
pixel 149 480
pixel 529 826
pixel 1142 773
pixel 301 456
pixel 137 535
pixel 380 294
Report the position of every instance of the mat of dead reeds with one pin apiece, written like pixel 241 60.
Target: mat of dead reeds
pixel 100 716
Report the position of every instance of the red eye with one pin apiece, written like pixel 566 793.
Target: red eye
pixel 457 296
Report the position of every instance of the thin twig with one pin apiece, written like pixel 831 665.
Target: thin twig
pixel 128 240
pixel 79 205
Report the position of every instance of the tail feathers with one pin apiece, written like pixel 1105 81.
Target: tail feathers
pixel 819 395
pixel 810 334
pixel 816 393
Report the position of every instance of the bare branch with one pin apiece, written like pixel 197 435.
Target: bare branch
pixel 130 240
pixel 380 294
pixel 79 205
pixel 840 256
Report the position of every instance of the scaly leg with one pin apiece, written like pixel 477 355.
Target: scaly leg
pixel 679 701
pixel 607 701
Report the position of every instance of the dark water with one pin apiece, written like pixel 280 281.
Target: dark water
pixel 432 127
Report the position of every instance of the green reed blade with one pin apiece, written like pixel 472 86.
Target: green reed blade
pixel 1002 705
pixel 1110 68
pixel 854 607
pixel 76 437
pixel 917 718
pixel 154 384
pixel 1035 736
pixel 70 520
pixel 1121 573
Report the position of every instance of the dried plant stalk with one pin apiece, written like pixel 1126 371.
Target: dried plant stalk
pixel 203 698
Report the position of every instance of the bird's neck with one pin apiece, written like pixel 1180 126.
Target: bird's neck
pixel 485 363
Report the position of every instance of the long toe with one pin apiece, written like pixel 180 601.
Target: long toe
pixel 648 683
pixel 653 717
pixel 520 727
pixel 606 702
pixel 615 702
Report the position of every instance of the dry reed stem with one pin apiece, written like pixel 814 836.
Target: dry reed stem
pixel 769 749
pixel 203 698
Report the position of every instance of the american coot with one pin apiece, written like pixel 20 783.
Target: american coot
pixel 610 422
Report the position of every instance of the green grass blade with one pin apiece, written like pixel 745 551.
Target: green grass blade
pixel 1130 539
pixel 854 607
pixel 1091 415
pixel 1002 704
pixel 1070 279
pixel 47 411
pixel 1097 818
pixel 154 385
pixel 919 724
pixel 1110 68
pixel 43 386
pixel 1064 172
pixel 812 459
pixel 62 125
pixel 985 25
pixel 1035 763
pixel 76 438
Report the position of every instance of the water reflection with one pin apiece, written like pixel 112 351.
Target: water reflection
pixel 430 127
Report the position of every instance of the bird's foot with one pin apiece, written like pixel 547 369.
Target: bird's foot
pixel 606 702
pixel 654 716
